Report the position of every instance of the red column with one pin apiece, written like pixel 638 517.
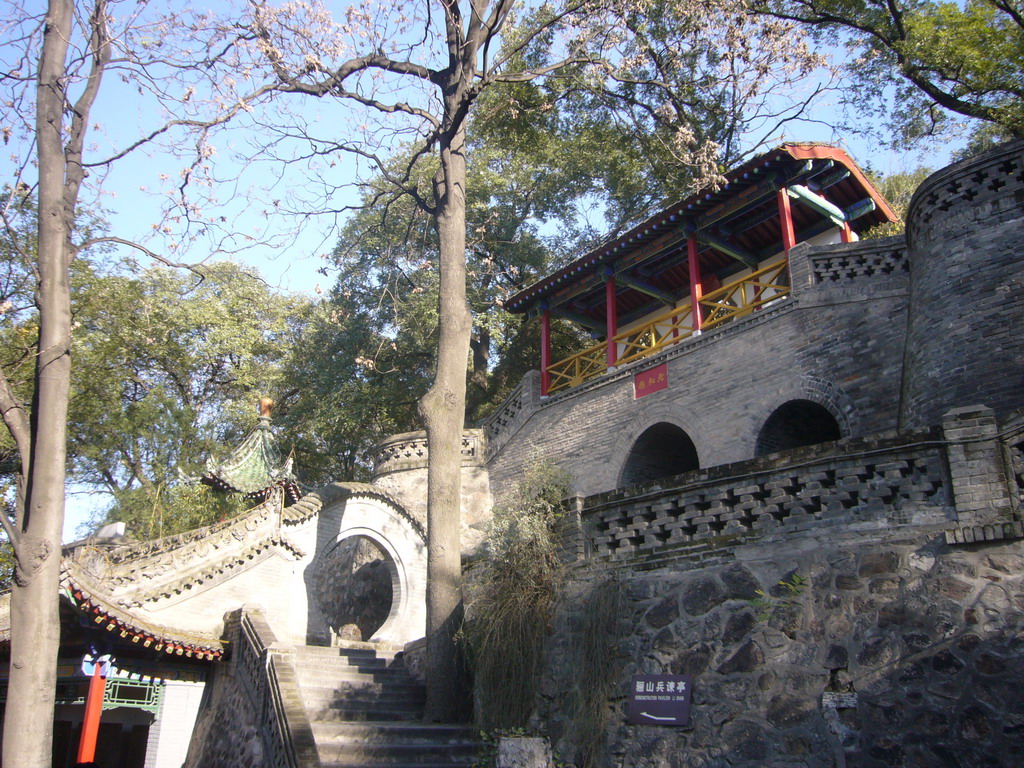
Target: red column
pixel 611 319
pixel 847 233
pixel 93 708
pixel 696 288
pixel 545 351
pixel 786 220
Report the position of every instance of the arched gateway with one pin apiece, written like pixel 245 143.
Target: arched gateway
pixel 356 510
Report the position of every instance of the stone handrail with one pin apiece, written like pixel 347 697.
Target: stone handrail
pixel 267 673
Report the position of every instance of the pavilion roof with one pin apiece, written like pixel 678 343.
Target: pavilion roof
pixel 736 226
pixel 255 466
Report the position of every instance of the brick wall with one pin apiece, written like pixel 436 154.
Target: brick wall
pixel 967 288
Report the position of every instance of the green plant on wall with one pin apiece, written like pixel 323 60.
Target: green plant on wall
pixel 785 595
pixel 511 605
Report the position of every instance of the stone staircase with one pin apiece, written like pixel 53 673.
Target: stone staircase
pixel 365 711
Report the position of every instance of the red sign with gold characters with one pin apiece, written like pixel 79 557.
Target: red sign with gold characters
pixel 652 380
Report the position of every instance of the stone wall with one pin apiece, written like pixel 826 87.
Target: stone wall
pixel 400 468
pixel 860 604
pixel 889 649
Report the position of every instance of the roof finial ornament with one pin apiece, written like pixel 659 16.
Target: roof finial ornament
pixel 266 407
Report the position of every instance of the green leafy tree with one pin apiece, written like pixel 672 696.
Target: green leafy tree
pixel 898 189
pixel 169 369
pixel 922 62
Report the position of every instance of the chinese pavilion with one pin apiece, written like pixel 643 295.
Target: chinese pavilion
pixel 713 257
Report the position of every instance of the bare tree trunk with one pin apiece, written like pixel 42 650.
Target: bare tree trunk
pixel 443 410
pixel 35 627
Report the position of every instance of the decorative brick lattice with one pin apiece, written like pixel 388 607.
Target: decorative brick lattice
pixel 503 424
pixel 411 450
pixel 819 494
pixel 507 414
pixel 985 182
pixel 851 265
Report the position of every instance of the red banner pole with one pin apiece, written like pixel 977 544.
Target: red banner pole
pixel 696 288
pixel 91 721
pixel 545 351
pixel 611 320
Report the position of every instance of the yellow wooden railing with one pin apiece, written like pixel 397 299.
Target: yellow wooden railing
pixel 720 306
pixel 581 367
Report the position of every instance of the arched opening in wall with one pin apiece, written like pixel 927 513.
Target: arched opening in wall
pixel 355 590
pixel 796 424
pixel 661 451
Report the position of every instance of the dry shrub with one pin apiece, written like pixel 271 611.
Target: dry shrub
pixel 518 582
pixel 592 656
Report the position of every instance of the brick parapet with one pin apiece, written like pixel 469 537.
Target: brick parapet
pixel 884 481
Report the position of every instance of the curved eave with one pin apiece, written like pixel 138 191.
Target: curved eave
pixel 665 230
pixel 99 612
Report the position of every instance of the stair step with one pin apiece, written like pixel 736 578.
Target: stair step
pixel 353 654
pixel 398 707
pixel 396 753
pixel 370 692
pixel 355 674
pixel 392 733
pixel 365 710
pixel 332 666
pixel 360 714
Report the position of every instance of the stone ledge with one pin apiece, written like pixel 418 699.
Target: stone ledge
pixel 975 534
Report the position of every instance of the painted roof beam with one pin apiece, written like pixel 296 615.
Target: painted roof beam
pixel 858 209
pixel 646 288
pixel 812 180
pixel 579 319
pixel 728 249
pixel 817 202
pixel 819 185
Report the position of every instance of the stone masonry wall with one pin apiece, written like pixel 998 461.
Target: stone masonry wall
pixel 891 649
pixel 838 342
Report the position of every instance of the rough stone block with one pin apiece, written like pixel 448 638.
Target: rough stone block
pixel 524 752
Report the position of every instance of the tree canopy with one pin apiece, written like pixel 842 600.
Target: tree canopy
pixel 919 62
pixel 169 369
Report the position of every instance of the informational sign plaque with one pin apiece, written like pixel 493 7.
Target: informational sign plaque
pixel 660 700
